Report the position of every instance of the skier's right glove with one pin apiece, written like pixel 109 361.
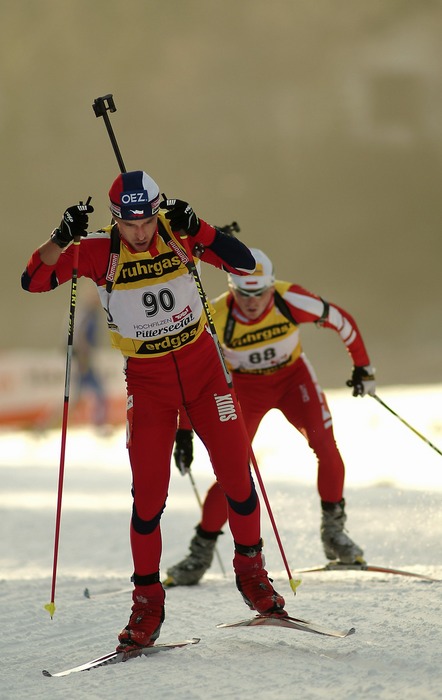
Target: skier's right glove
pixel 183 452
pixel 73 224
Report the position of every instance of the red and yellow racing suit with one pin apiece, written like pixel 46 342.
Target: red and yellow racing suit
pixel 270 370
pixel 156 319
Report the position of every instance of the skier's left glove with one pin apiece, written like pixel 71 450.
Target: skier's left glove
pixel 183 452
pixel 363 381
pixel 229 229
pixel 181 216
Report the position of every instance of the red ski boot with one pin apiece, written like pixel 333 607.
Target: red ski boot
pixel 146 619
pixel 254 584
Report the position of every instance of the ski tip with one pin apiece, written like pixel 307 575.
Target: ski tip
pixel 169 582
pixel 184 643
pixel 290 623
pixel 115 657
pixel 337 565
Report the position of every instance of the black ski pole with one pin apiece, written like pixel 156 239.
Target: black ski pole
pixel 416 432
pixel 101 107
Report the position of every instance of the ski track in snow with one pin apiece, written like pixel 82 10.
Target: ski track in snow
pixel 394 653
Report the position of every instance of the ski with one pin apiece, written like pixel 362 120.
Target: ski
pixel 291 623
pixel 339 566
pixel 102 594
pixel 169 582
pixel 116 657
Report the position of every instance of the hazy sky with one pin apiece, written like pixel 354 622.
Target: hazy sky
pixel 317 129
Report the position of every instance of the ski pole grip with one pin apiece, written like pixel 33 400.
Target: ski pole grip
pixel 103 104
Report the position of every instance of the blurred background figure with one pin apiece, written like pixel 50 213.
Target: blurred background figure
pixel 88 384
pixel 89 399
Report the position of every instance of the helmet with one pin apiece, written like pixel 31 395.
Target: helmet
pixel 134 195
pixel 259 281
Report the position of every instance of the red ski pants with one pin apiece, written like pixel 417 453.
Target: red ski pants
pixel 156 389
pixel 295 391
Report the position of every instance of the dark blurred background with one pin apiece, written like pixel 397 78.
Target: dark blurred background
pixel 316 125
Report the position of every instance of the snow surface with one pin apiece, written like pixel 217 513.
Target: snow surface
pixel 394 504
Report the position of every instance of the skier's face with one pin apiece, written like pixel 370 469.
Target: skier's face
pixel 139 232
pixel 253 306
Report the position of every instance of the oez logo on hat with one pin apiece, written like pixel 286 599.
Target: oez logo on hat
pixel 136 197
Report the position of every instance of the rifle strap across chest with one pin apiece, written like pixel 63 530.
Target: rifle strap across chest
pixel 114 252
pixel 114 256
pixel 281 305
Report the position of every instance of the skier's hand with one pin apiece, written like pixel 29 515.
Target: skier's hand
pixel 181 216
pixel 73 224
pixel 363 381
pixel 183 452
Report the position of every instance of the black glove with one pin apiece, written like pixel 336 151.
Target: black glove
pixel 74 223
pixel 230 229
pixel 181 216
pixel 363 381
pixel 183 452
